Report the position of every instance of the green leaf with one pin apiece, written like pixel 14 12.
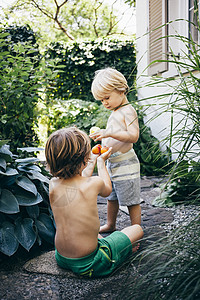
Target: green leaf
pixel 26 161
pixel 23 168
pixel 33 211
pixel 6 153
pixel 26 184
pixel 9 172
pixel 38 176
pixel 27 199
pixel 30 149
pixel 34 167
pixel 8 202
pixel 8 241
pixel 24 232
pixel 3 163
pixel 45 228
pixel 3 142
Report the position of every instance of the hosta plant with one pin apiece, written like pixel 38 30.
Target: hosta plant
pixel 25 215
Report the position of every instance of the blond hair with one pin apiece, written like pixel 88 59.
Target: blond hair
pixel 106 81
pixel 66 151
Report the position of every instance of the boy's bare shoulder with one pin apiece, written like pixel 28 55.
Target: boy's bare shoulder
pixel 97 179
pixel 128 106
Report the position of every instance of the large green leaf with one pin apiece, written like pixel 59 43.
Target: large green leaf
pixel 45 187
pixel 24 232
pixel 30 149
pixel 3 142
pixel 34 167
pixel 45 228
pixel 8 242
pixel 9 172
pixel 33 211
pixel 3 163
pixel 28 199
pixel 6 153
pixel 7 181
pixel 28 168
pixel 8 202
pixel 26 184
pixel 28 160
pixel 22 168
pixel 38 176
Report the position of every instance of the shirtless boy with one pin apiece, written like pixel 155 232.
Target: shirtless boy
pixel 73 199
pixel 122 131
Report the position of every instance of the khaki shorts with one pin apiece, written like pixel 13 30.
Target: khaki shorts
pixel 111 251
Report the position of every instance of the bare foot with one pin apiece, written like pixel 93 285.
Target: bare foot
pixel 106 228
pixel 136 247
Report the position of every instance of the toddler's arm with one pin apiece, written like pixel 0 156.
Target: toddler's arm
pixel 130 135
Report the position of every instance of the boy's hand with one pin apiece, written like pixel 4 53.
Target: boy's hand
pixel 99 135
pixel 93 157
pixel 105 155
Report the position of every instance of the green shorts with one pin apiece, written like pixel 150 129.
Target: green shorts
pixel 110 253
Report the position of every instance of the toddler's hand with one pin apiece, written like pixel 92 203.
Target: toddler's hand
pixel 99 135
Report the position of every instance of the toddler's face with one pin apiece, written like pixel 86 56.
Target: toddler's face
pixel 113 100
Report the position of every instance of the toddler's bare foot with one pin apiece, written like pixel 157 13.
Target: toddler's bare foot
pixel 105 228
pixel 136 247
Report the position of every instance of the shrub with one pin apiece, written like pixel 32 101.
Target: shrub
pixel 19 57
pixel 24 74
pixel 25 214
pixel 183 187
pixel 81 60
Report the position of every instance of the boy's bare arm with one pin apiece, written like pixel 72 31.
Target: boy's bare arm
pixel 106 188
pixel 130 135
pixel 88 171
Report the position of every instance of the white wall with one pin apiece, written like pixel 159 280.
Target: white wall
pixel 159 123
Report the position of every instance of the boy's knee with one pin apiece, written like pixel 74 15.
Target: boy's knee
pixel 138 228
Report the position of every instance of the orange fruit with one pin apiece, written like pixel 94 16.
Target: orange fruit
pixel 104 149
pixel 96 149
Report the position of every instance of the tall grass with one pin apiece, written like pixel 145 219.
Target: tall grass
pixel 182 102
pixel 168 269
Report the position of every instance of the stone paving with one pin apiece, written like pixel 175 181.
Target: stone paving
pixel 39 277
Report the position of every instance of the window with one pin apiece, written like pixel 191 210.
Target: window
pixel 194 13
pixel 157 35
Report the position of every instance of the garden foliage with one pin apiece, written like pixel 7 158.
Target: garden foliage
pixel 23 76
pixel 82 59
pixel 73 84
pixel 184 137
pixel 25 215
pixel 19 58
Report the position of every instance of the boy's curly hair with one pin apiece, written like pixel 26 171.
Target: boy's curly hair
pixel 66 150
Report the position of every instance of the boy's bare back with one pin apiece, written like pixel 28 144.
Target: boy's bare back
pixel 74 206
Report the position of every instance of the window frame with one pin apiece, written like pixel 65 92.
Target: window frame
pixel 161 41
pixel 192 31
